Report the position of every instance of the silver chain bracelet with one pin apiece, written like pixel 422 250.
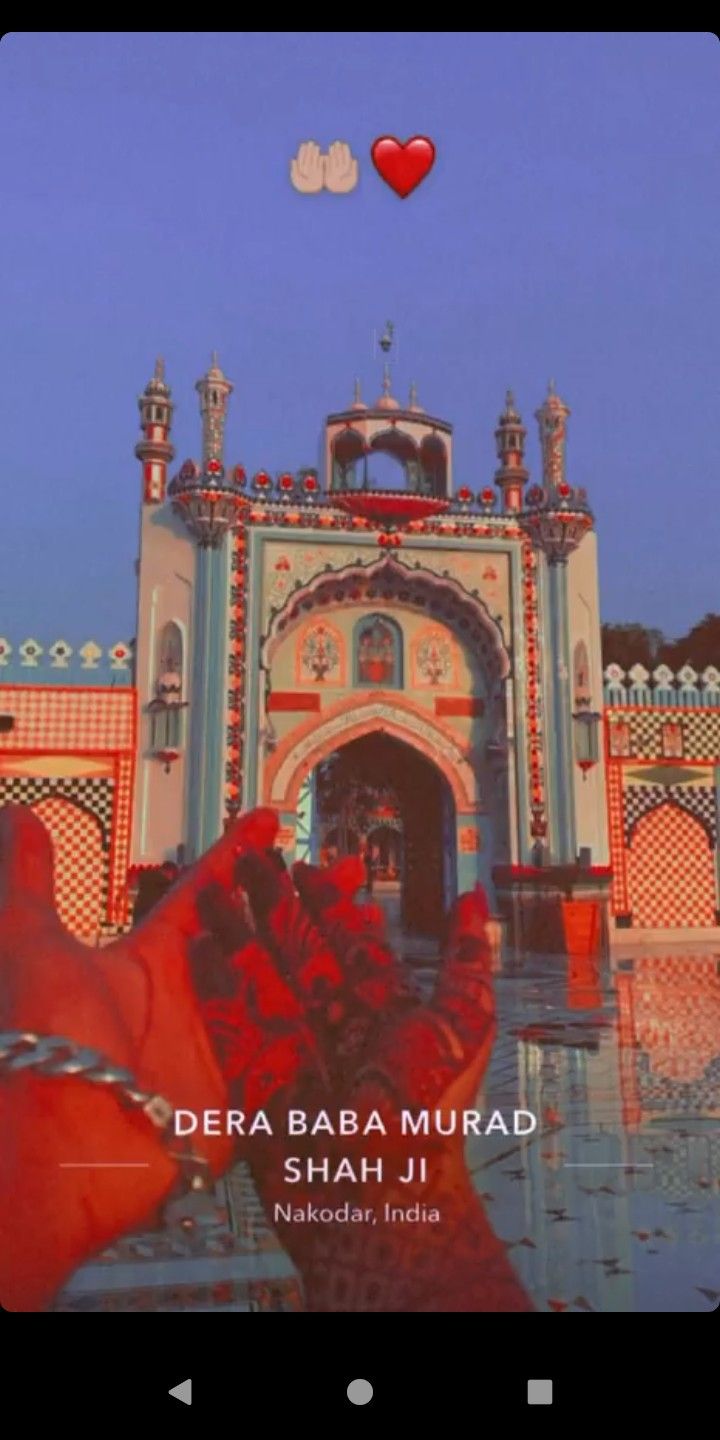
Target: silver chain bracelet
pixel 53 1055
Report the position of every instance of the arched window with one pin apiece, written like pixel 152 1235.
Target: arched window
pixel 167 708
pixel 378 652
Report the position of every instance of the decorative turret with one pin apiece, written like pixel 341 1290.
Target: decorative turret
pixel 552 420
pixel 511 474
pixel 419 443
pixel 155 450
pixel 214 390
pixel 208 500
pixel 557 515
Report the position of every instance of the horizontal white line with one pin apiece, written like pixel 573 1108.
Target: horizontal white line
pixel 609 1165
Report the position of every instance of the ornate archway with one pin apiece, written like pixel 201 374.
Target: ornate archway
pixel 387 581
pixel 394 715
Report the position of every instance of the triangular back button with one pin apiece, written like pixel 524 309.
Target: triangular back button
pixel 183 1392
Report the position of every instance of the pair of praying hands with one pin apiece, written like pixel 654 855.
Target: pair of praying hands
pixel 312 171
pixel 253 988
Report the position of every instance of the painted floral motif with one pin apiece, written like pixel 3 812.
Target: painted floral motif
pixel 672 740
pixel 620 738
pixel 434 659
pixel 320 656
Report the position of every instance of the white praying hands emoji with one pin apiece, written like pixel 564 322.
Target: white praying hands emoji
pixel 341 169
pixel 312 171
pixel 307 169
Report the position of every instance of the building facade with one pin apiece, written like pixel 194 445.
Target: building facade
pixel 437 643
pixel 398 663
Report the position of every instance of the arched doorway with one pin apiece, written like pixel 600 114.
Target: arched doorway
pixel 671 871
pixel 380 797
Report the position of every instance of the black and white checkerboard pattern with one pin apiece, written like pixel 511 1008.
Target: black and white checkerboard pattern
pixel 91 792
pixel 700 728
pixel 697 800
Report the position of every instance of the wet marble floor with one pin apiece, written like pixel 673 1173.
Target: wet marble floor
pixel 613 1204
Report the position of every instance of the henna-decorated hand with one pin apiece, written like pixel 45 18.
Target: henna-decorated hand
pixel 308 1009
pixel 76 1168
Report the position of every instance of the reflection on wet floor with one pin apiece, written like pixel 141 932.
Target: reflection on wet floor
pixel 614 1203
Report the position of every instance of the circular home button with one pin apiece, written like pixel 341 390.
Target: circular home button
pixel 360 1392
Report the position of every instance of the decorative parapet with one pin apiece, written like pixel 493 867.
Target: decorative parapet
pixel 663 687
pixel 32 663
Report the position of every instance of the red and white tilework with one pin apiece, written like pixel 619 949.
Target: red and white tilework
pixel 700 729
pixel 80 863
pixel 671 871
pixel 88 815
pixel 73 720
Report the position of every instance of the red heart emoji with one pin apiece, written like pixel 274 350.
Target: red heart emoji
pixel 402 167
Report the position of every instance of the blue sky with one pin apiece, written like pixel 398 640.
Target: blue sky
pixel 568 229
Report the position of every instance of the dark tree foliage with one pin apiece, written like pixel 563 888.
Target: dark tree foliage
pixel 631 644
pixel 634 644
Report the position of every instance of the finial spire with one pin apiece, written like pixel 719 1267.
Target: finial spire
pixel 386 339
pixel 159 368
pixel 413 395
pixel 214 362
pixel 387 383
pixel 357 397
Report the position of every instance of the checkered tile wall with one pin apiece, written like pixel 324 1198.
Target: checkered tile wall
pixel 700 730
pixel 76 721
pixel 697 800
pixel 80 866
pixel 671 871
pixel 88 816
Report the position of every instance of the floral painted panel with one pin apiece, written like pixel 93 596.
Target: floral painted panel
pixel 320 656
pixel 434 659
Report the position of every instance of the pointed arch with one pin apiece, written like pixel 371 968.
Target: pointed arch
pixel 394 715
pixel 80 861
pixel 671 871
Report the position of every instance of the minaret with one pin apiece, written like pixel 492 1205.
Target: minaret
pixel 155 450
pixel 556 518
pixel 210 503
pixel 511 474
pixel 214 390
pixel 552 419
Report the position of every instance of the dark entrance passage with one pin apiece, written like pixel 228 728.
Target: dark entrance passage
pixel 382 799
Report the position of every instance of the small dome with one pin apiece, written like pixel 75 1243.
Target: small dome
pixel 158 386
pixel 387 402
pixel 215 372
